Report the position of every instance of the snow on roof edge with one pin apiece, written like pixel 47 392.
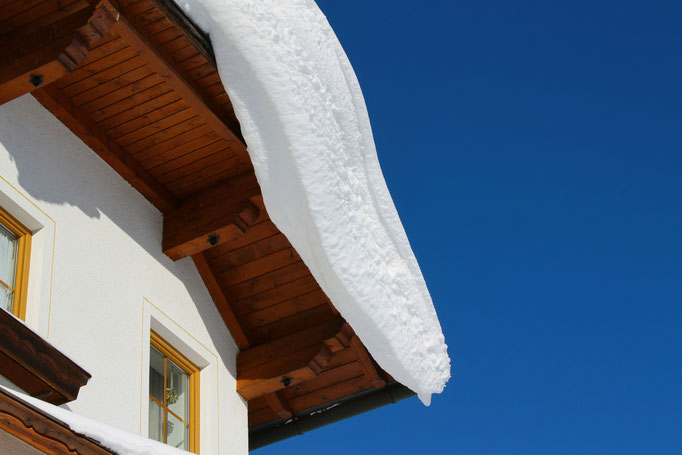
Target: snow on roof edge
pixel 111 438
pixel 308 133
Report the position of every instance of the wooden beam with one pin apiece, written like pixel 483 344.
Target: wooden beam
pixel 93 135
pixel 341 340
pixel 310 336
pixel 220 300
pixel 34 58
pixel 157 62
pixel 216 216
pixel 368 367
pixel 285 366
pixel 278 374
pixel 278 406
pixel 202 43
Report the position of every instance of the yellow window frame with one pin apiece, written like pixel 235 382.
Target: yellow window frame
pixel 192 371
pixel 23 258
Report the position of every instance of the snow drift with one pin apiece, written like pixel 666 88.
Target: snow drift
pixel 308 133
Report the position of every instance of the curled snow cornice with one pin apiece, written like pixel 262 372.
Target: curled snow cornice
pixel 308 134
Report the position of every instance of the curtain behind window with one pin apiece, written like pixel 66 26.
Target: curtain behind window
pixel 8 267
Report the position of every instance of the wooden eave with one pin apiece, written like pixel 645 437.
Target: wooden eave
pixel 146 96
pixel 43 431
pixel 35 365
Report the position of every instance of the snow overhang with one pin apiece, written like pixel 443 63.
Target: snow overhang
pixel 140 85
pixel 306 125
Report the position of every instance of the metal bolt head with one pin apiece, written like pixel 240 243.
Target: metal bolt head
pixel 35 79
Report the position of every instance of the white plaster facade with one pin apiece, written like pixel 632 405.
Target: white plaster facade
pixel 99 281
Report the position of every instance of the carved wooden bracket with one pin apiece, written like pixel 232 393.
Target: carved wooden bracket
pixel 289 360
pixel 38 57
pixel 44 433
pixel 298 358
pixel 212 218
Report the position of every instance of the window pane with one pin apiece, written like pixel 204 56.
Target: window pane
pixel 156 375
pixel 6 299
pixel 155 421
pixel 8 266
pixel 177 392
pixel 177 433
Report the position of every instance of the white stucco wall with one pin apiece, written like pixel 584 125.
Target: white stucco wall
pixel 99 281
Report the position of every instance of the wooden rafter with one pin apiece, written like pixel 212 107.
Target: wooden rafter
pixel 39 56
pixel 220 301
pixel 198 38
pixel 278 406
pixel 157 62
pixel 371 372
pixel 211 218
pixel 93 135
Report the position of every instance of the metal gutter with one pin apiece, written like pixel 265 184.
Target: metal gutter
pixel 319 417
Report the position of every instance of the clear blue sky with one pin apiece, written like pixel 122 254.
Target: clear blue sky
pixel 534 152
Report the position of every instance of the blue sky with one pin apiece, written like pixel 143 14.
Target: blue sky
pixel 534 152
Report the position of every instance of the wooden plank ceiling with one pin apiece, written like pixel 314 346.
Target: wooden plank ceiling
pixel 138 84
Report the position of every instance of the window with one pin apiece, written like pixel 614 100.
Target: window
pixel 15 250
pixel 173 397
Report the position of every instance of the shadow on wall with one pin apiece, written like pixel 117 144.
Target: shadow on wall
pixel 46 155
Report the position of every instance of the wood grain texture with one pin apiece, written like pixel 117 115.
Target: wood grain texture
pixel 36 366
pixel 221 301
pixel 38 56
pixel 210 218
pixel 155 59
pixel 106 148
pixel 41 431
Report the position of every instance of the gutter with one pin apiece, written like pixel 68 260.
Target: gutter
pixel 315 418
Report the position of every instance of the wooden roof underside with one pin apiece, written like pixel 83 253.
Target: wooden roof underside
pixel 137 84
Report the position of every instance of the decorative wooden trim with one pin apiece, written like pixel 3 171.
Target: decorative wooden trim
pixel 37 58
pixel 43 432
pixel 221 301
pixel 23 260
pixel 157 62
pixel 216 216
pixel 289 360
pixel 281 347
pixel 193 371
pixel 341 340
pixel 35 365
pixel 93 135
